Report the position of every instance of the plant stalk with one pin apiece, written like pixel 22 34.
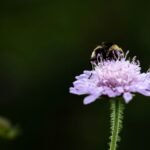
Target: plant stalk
pixel 117 109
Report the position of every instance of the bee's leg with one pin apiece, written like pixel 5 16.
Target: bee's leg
pixel 115 55
pixel 93 66
pixel 90 76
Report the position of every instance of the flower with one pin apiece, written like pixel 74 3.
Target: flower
pixel 112 78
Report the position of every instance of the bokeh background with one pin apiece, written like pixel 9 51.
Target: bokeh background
pixel 43 45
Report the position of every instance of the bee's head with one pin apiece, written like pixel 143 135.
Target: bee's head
pixel 106 45
pixel 106 51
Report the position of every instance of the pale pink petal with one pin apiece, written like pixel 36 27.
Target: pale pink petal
pixel 127 97
pixel 144 92
pixel 89 99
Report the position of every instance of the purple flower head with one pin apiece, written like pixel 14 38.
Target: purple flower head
pixel 112 78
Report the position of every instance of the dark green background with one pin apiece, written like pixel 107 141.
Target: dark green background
pixel 43 45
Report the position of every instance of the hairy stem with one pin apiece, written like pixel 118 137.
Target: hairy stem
pixel 117 108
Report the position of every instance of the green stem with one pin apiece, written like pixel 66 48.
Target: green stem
pixel 117 108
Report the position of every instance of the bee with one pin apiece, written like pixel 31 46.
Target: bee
pixel 106 51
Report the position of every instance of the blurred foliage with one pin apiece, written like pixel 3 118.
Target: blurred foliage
pixel 7 131
pixel 43 45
